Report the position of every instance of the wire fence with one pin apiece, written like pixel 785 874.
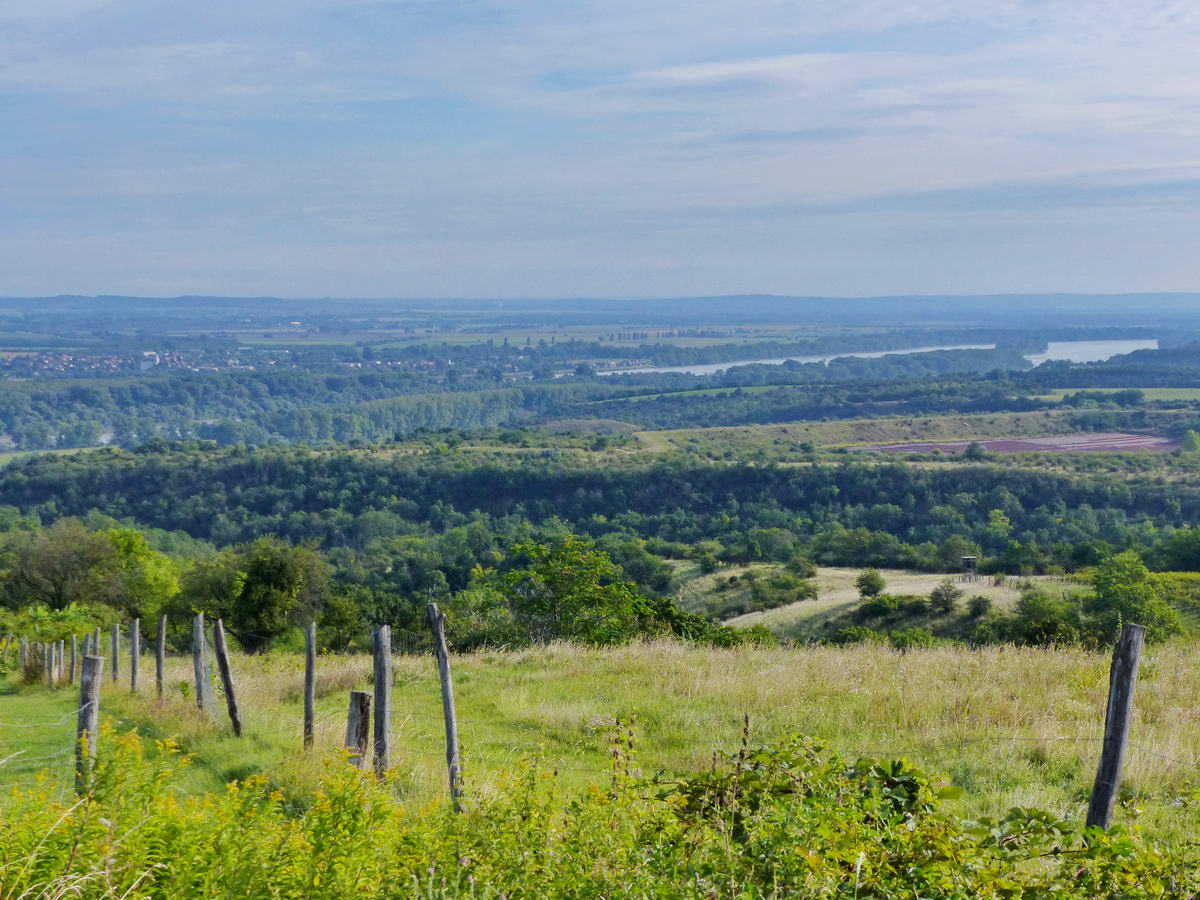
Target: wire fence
pixel 484 747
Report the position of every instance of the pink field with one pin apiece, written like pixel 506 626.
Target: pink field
pixel 1113 441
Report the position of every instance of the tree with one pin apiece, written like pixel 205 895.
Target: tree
pixel 975 452
pixel 944 598
pixel 1124 592
pixel 281 586
pixel 1191 441
pixel 142 580
pixel 60 565
pixel 870 583
pixel 569 590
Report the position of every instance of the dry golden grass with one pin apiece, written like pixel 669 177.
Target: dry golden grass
pixel 1012 726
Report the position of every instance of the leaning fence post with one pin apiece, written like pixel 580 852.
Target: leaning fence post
pixel 235 717
pixel 135 652
pixel 310 681
pixel 22 653
pixel 1122 679
pixel 74 658
pixel 382 640
pixel 48 662
pixel 437 624
pixel 160 655
pixel 358 727
pixel 88 720
pixel 198 666
pixel 116 651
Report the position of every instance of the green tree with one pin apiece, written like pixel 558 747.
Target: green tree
pixel 975 452
pixel 569 590
pixel 1124 592
pixel 141 580
pixel 944 598
pixel 57 566
pixel 870 583
pixel 281 586
pixel 1191 441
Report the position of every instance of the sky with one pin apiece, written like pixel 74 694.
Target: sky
pixel 494 148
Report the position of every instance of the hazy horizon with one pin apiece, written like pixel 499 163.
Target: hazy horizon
pixel 487 148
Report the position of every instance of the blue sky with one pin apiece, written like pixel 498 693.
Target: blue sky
pixel 615 148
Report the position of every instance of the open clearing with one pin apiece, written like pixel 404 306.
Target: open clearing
pixel 1152 394
pixel 837 595
pixel 1068 443
pixel 783 439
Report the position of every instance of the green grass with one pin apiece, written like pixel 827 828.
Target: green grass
pixel 1011 726
pixel 37 733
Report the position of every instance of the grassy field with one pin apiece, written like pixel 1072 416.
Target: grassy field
pixel 1011 726
pixel 837 595
pixel 1166 395
pixel 781 441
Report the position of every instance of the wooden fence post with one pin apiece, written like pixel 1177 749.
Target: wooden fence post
pixel 226 677
pixel 74 657
pixel 135 652
pixel 60 659
pixel 358 727
pixel 198 662
pixel 116 651
pixel 48 662
pixel 383 697
pixel 96 651
pixel 310 681
pixel 1122 679
pixel 160 655
pixel 22 653
pixel 88 720
pixel 437 624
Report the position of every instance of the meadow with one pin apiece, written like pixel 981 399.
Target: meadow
pixel 1009 726
pixel 781 440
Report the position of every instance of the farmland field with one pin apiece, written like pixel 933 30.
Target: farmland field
pixel 1075 443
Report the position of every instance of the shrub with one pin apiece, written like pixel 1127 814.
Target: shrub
pixel 875 607
pixel 802 566
pixel 944 598
pixel 855 634
pixel 911 638
pixel 1041 619
pixel 788 820
pixel 979 606
pixel 870 583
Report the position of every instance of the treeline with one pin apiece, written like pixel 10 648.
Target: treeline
pixel 72 576
pixel 848 514
pixel 1173 367
pixel 260 408
pixel 809 403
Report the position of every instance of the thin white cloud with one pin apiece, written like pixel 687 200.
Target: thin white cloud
pixel 667 139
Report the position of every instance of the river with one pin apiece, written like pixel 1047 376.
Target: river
pixel 1071 351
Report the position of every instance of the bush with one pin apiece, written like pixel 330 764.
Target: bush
pixel 870 583
pixel 855 634
pixel 802 566
pixel 911 638
pixel 979 606
pixel 944 598
pixel 1040 619
pixel 875 607
pixel 788 820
